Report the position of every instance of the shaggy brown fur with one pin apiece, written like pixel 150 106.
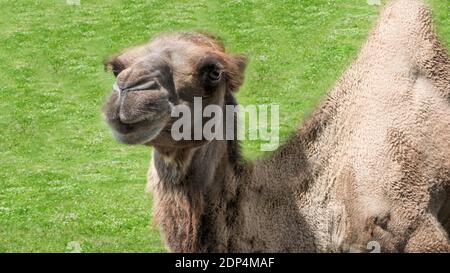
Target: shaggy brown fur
pixel 372 163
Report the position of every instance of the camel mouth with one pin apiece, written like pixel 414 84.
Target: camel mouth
pixel 139 132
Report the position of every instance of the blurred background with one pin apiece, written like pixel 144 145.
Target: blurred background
pixel 65 184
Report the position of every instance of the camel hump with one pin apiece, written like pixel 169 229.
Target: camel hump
pixel 403 43
pixel 404 24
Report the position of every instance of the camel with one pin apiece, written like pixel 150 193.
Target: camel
pixel 371 165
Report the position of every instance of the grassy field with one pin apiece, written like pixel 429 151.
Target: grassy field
pixel 63 180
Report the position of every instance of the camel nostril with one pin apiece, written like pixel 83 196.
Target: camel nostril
pixel 141 83
pixel 145 85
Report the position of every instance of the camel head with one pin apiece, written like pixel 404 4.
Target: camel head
pixel 170 70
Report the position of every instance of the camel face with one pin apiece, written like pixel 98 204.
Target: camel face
pixel 171 70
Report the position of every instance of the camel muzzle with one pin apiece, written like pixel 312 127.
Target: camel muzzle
pixel 140 104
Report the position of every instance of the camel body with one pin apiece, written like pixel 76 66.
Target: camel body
pixel 370 166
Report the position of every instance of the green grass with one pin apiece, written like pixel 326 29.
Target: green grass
pixel 62 178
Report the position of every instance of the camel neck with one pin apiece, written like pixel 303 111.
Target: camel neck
pixel 200 193
pixel 195 193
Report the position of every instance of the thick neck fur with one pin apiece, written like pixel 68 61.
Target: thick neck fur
pixel 193 197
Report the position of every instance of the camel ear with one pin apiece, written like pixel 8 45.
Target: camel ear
pixel 236 72
pixel 114 65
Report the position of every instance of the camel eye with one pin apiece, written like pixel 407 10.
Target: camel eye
pixel 214 75
pixel 211 73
